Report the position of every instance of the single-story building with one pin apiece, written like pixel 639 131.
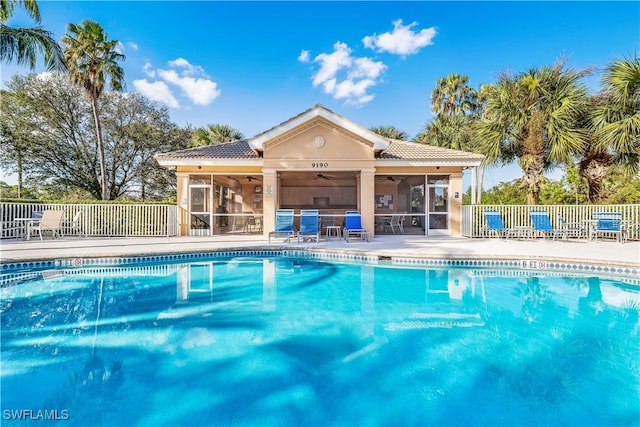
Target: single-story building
pixel 320 160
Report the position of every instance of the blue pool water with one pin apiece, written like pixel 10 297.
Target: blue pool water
pixel 281 341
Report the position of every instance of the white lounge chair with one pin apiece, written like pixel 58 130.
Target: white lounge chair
pixel 52 221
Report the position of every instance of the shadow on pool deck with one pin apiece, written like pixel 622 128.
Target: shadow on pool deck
pixel 608 252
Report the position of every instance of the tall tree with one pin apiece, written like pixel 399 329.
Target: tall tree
pixel 22 45
pixel 616 122
pixel 534 117
pixel 61 139
pixel 390 132
pixel 455 132
pixel 214 134
pixel 453 96
pixel 14 137
pixel 92 59
pixel 595 159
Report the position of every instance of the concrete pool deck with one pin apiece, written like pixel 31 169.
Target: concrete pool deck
pixel 600 252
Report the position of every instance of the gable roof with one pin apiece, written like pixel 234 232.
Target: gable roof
pixel 318 110
pixel 248 151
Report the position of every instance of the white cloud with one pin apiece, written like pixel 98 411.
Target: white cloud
pixel 148 71
pixel 402 40
pixel 190 79
pixel 188 69
pixel 346 77
pixel 156 91
pixel 304 56
pixel 200 91
pixel 121 47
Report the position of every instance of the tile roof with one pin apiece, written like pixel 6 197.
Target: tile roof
pixel 227 150
pixel 403 150
pixel 398 150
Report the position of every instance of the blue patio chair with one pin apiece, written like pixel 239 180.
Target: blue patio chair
pixel 542 223
pixel 284 225
pixel 495 224
pixel 607 223
pixel 353 225
pixel 309 225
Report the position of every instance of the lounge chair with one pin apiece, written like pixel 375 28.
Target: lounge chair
pixel 607 223
pixel 495 224
pixel 542 223
pixel 284 225
pixel 52 221
pixel 309 225
pixel 353 225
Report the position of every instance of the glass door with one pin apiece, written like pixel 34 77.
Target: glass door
pixel 438 202
pixel 200 215
pixel 417 203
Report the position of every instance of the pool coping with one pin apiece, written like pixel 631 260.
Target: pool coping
pixel 14 271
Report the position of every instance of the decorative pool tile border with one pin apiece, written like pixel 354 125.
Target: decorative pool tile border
pixel 12 273
pixel 540 265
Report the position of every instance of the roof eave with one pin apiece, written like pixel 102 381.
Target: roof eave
pixel 209 162
pixel 428 162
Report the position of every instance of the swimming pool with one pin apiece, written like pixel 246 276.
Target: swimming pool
pixel 286 340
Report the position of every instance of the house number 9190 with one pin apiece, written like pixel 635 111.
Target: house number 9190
pixel 319 165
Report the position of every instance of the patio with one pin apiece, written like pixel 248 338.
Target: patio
pixel 601 252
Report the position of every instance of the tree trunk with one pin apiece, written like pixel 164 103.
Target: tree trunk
pixel 19 171
pixel 532 158
pixel 593 168
pixel 103 163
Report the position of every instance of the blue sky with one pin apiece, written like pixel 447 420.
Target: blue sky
pixel 252 65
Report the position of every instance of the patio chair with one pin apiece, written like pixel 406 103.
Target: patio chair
pixel 254 224
pixel 309 225
pixel 542 223
pixel 51 220
pixel 239 222
pixel 495 224
pixel 73 226
pixel 608 223
pixel 284 225
pixel 392 222
pixel 574 229
pixel 353 225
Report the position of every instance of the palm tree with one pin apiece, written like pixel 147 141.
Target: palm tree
pixel 390 132
pixel 91 59
pixel 455 132
pixel 616 122
pixel 214 134
pixel 453 96
pixel 23 44
pixel 594 160
pixel 534 117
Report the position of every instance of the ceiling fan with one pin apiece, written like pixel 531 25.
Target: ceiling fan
pixel 251 178
pixel 322 176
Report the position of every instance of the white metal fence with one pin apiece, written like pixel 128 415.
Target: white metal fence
pixel 104 220
pixel 111 220
pixel 473 223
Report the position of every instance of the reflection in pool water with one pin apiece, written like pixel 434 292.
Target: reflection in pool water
pixel 295 341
